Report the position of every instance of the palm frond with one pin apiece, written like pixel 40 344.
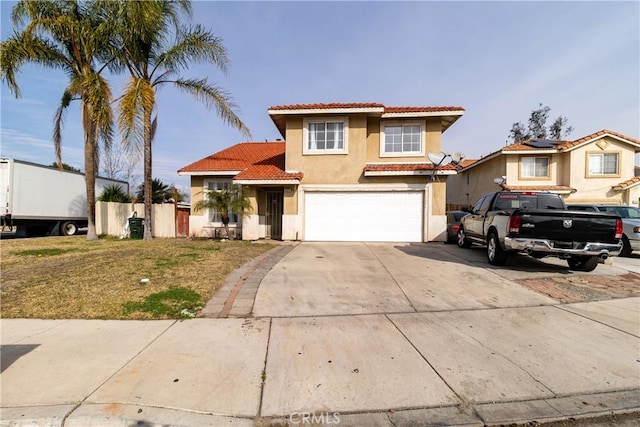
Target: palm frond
pixel 58 122
pixel 216 98
pixel 194 44
pixel 138 97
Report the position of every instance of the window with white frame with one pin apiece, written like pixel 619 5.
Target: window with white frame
pixel 401 139
pixel 534 167
pixel 219 185
pixel 325 135
pixel 603 163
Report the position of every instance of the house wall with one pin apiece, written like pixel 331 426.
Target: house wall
pixel 596 189
pixel 363 146
pixel 465 188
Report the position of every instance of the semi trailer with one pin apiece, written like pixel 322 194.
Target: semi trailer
pixel 43 200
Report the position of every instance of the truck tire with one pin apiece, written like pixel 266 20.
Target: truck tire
pixel 583 263
pixel 462 240
pixel 495 254
pixel 68 228
pixel 626 246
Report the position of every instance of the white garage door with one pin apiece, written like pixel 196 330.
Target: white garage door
pixel 364 216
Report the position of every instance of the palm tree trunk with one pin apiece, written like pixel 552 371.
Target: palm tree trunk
pixel 148 190
pixel 90 169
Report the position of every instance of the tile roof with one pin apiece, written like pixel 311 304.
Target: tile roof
pixel 538 188
pixel 329 106
pixel 406 167
pixel 628 183
pixel 355 105
pixel 420 109
pixel 565 145
pixel 253 160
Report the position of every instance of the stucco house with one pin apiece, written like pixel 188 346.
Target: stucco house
pixel 597 168
pixel 344 172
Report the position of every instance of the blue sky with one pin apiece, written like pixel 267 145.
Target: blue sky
pixel 498 60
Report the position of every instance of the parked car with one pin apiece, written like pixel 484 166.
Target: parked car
pixel 539 225
pixel 630 223
pixel 453 224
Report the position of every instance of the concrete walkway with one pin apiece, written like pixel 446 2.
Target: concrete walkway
pixel 347 334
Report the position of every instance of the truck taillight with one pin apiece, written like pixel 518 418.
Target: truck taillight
pixel 514 224
pixel 618 229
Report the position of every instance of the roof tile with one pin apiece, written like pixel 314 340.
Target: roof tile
pixel 406 167
pixel 254 160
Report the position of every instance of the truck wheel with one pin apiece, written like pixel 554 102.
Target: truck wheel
pixel 68 228
pixel 462 239
pixel 583 263
pixel 495 254
pixel 626 246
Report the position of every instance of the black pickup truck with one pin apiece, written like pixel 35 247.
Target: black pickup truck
pixel 539 225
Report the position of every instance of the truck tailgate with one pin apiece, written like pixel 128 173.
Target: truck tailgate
pixel 568 226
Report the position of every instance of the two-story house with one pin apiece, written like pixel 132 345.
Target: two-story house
pixel 597 168
pixel 344 172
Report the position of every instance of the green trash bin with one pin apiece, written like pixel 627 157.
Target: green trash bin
pixel 136 227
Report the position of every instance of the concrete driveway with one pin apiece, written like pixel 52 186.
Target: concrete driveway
pixel 356 334
pixel 380 278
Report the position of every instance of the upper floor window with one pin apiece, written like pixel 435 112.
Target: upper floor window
pixel 603 163
pixel 325 136
pixel 534 167
pixel 401 139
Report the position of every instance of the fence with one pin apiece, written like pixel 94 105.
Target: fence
pixel 111 218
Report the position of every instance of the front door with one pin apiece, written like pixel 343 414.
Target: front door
pixel 273 221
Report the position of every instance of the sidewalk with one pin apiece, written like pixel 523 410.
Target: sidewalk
pixel 450 367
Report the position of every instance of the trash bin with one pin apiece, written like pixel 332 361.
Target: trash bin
pixel 136 228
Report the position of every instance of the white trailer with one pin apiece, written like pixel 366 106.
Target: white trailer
pixel 43 200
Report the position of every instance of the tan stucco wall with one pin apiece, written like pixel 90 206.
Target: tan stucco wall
pixel 363 146
pixel 596 189
pixel 197 184
pixel 466 191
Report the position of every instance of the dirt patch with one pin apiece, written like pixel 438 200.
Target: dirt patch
pixel 586 288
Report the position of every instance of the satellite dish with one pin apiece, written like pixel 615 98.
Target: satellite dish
pixel 457 157
pixel 439 159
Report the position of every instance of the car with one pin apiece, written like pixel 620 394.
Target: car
pixel 453 224
pixel 630 223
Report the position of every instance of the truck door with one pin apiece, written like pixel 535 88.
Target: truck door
pixel 475 226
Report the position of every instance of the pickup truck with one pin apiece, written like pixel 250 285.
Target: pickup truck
pixel 630 223
pixel 538 224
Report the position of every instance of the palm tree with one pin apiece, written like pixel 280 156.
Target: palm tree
pixel 160 192
pixel 71 36
pixel 232 199
pixel 153 60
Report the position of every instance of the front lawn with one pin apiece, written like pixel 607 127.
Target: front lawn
pixel 72 278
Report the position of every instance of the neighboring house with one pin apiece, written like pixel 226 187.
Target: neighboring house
pixel 345 172
pixel 598 168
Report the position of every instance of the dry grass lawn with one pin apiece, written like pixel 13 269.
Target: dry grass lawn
pixel 72 278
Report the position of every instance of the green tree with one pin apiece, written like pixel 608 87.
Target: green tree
pixel 114 193
pixel 232 199
pixel 71 36
pixel 64 167
pixel 537 127
pixel 155 48
pixel 160 192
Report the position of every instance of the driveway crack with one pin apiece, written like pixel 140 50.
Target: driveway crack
pixel 391 275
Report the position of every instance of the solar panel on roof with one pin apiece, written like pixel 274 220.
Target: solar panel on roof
pixel 542 143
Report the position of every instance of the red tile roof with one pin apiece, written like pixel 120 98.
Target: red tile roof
pixel 538 188
pixel 253 160
pixel 628 183
pixel 339 105
pixel 565 145
pixel 329 106
pixel 407 167
pixel 420 109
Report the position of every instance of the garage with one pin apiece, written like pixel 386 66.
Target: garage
pixel 364 216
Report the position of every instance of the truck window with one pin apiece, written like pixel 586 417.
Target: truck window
pixel 550 201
